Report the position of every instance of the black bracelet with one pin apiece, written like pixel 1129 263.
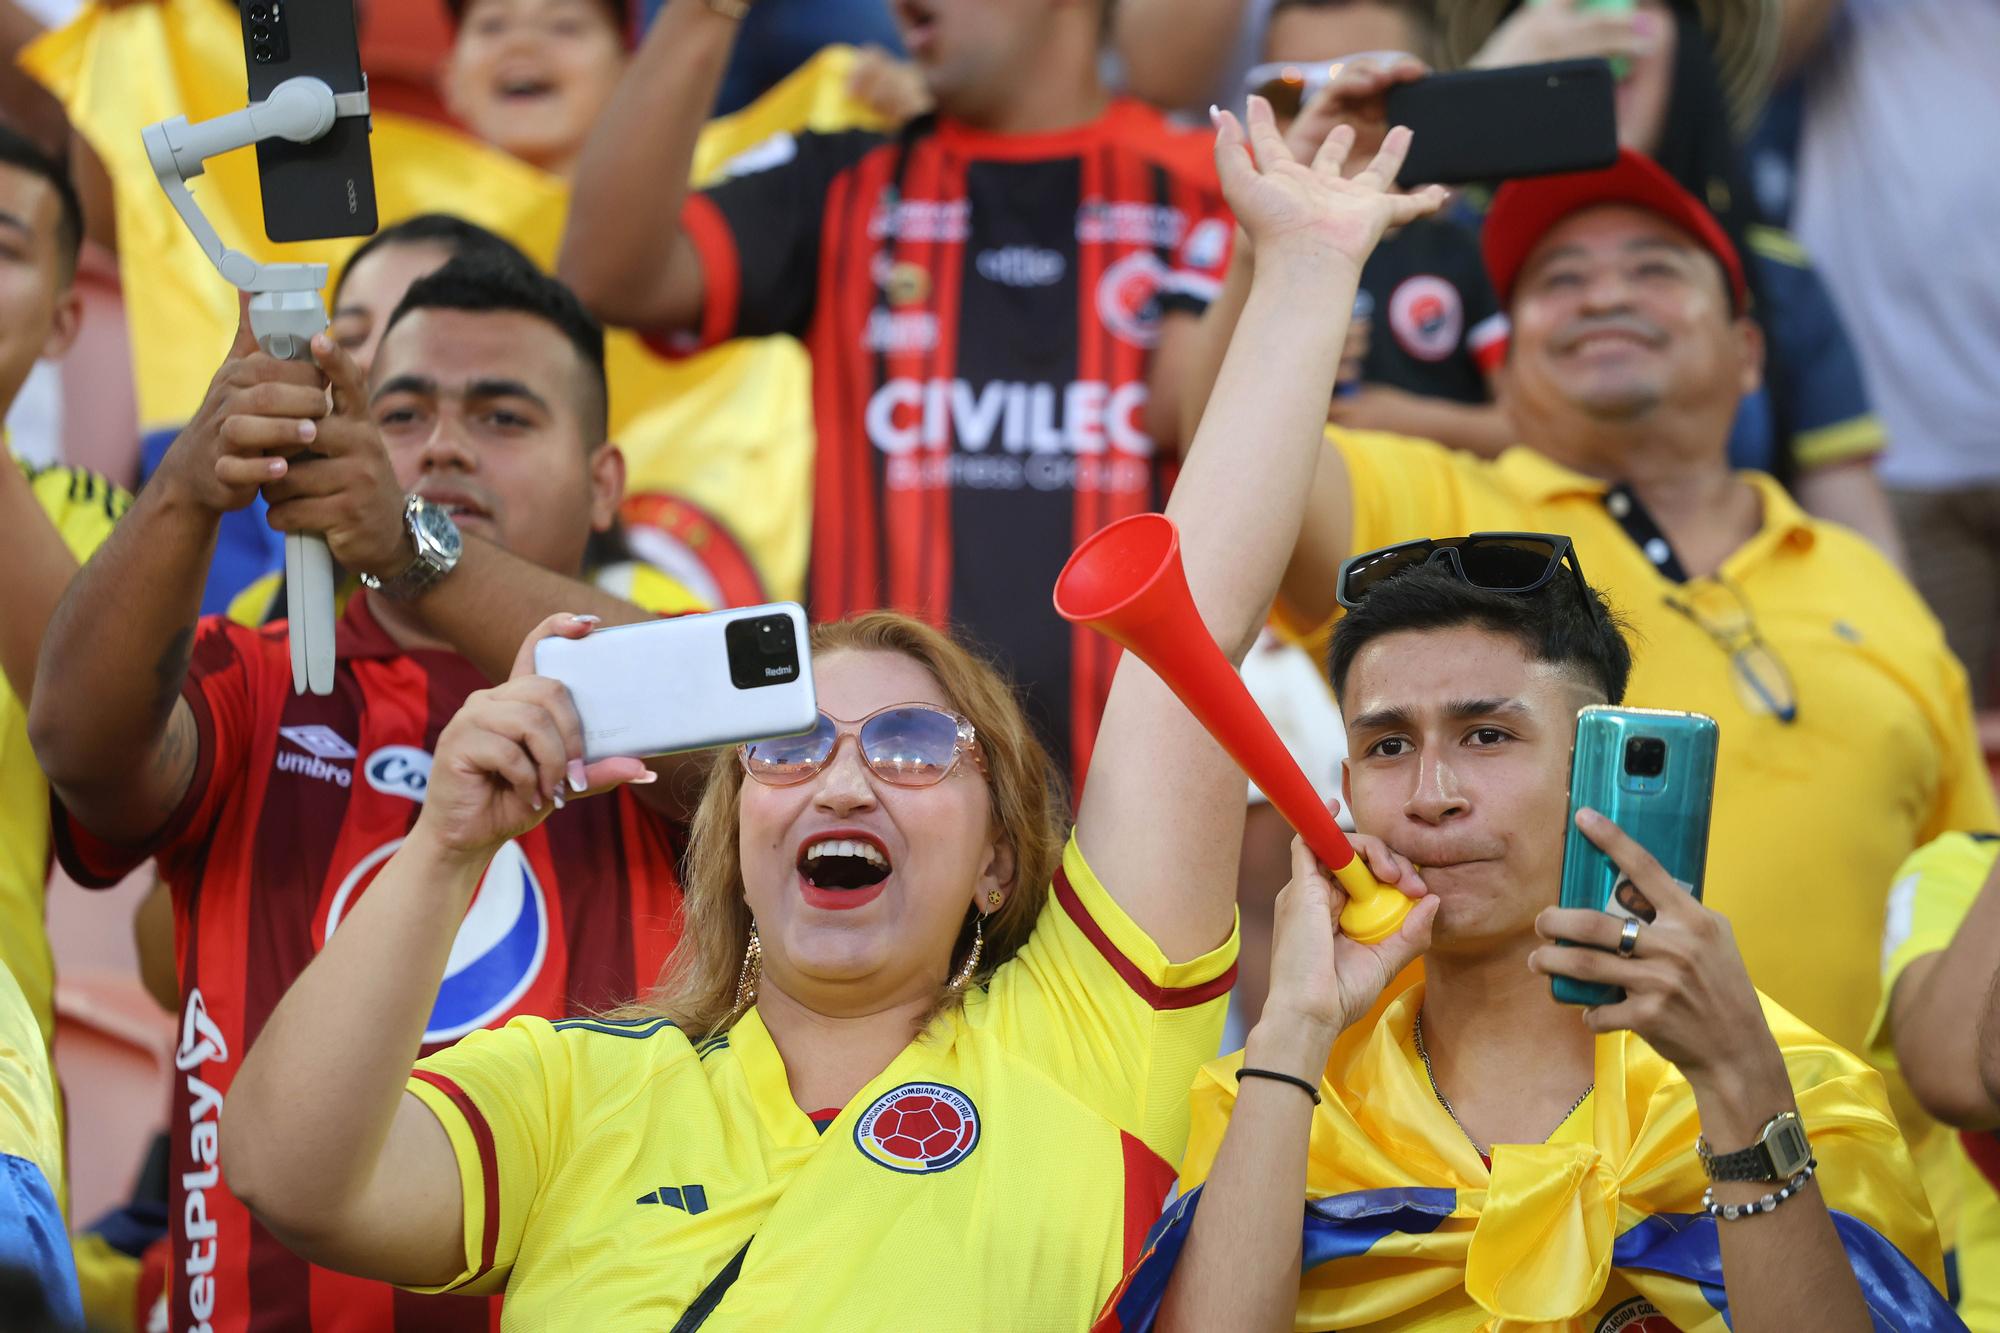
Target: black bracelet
pixel 1299 1083
pixel 1730 1212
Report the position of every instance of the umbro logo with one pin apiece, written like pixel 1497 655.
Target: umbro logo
pixel 324 742
pixel 690 1199
pixel 325 751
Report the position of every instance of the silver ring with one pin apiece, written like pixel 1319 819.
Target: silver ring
pixel 1628 937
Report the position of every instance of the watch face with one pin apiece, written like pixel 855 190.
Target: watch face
pixel 436 531
pixel 1788 1147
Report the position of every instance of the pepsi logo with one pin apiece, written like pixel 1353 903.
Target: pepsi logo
pixel 918 1128
pixel 1128 297
pixel 498 951
pixel 1427 316
pixel 400 770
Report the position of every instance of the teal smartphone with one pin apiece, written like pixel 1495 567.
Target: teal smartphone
pixel 1652 773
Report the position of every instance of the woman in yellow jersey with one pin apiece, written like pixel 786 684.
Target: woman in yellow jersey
pixel 917 1064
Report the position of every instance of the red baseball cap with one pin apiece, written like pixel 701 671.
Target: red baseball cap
pixel 1524 211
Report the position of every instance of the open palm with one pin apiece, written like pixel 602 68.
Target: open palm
pixel 1289 206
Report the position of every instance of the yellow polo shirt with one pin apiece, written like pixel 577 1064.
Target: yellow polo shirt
pixel 1933 892
pixel 83 506
pixel 1812 817
pixel 1001 1173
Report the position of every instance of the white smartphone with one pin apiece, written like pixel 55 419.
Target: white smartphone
pixel 688 683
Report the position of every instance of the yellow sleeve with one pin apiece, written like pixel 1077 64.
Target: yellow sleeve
pixel 1841 442
pixel 1934 890
pixel 83 506
pixel 1401 488
pixel 28 1126
pixel 1092 1000
pixel 501 1095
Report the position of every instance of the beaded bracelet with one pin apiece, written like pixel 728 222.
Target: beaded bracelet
pixel 1730 1212
pixel 1299 1083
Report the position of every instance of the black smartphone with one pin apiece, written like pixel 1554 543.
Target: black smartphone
pixel 1496 124
pixel 327 187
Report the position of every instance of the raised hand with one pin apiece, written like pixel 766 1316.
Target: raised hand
pixel 257 410
pixel 1321 980
pixel 1310 211
pixel 513 755
pixel 1685 981
pixel 349 492
pixel 1356 96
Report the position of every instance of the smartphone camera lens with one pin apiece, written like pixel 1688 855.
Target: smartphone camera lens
pixel 260 35
pixel 763 651
pixel 1645 756
pixel 260 13
pixel 261 54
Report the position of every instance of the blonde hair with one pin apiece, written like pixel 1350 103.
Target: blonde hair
pixel 697 988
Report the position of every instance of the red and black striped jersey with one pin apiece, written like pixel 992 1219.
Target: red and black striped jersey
pixel 297 802
pixel 981 311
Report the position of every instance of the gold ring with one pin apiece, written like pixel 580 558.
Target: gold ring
pixel 1628 937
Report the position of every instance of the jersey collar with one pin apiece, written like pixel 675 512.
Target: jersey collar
pixel 771 1091
pixel 1539 479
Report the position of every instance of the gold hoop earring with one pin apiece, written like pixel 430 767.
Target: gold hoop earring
pixel 753 968
pixel 963 976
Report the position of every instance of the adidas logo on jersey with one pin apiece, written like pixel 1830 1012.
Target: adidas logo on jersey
pixel 690 1199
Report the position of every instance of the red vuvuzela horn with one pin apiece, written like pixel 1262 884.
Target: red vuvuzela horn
pixel 1125 582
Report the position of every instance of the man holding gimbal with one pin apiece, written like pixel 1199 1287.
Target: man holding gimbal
pixel 463 482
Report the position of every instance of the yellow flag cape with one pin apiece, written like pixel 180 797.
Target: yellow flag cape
pixel 723 440
pixel 1400 1210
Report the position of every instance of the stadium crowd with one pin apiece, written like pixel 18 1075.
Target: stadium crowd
pixel 388 1009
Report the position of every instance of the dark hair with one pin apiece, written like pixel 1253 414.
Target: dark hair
pixel 447 232
pixel 1417 14
pixel 1551 623
pixel 484 284
pixel 19 151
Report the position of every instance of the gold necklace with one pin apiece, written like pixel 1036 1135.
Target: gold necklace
pixel 1417 1032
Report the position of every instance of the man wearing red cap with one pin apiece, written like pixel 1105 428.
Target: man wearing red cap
pixel 1846 739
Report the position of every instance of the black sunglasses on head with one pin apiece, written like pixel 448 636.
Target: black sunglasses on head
pixel 1516 562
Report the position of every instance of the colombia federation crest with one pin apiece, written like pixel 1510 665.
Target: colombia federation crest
pixel 918 1128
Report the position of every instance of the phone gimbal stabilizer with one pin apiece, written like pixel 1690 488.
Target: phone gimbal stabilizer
pixel 285 307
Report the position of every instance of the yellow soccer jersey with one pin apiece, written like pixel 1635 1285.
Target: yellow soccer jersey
pixel 83 506
pixel 999 1174
pixel 1933 892
pixel 1879 758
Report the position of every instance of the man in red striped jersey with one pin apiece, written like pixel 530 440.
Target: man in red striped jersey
pixel 994 298
pixel 270 812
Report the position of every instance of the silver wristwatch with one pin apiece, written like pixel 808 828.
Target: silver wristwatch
pixel 1780 1152
pixel 437 543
